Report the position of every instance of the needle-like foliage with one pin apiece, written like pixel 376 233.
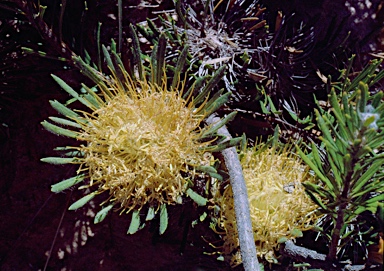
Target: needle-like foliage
pixel 350 160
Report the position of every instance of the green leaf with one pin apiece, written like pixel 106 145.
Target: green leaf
pixel 210 130
pixel 135 222
pixel 203 217
pixel 201 201
pixel 315 169
pixel 224 145
pixel 137 52
pixel 179 67
pixel 282 240
pixel 206 169
pixel 296 233
pixel 368 174
pixel 219 102
pixel 160 59
pixel 81 202
pixel 316 200
pixel 163 218
pixel 72 92
pixel 375 199
pixel 151 214
pixel 65 122
pixel 56 188
pixel 59 160
pixel 210 85
pixel 62 109
pixel 101 215
pixel 58 130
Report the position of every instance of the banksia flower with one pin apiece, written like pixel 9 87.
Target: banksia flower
pixel 141 143
pixel 279 207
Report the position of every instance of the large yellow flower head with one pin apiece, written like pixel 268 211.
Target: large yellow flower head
pixel 139 144
pixel 142 137
pixel 279 207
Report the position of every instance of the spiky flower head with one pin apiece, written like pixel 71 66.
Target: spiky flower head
pixel 141 146
pixel 279 207
pixel 141 142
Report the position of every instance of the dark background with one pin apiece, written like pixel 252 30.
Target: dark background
pixel 34 221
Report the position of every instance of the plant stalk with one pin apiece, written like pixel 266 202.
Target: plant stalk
pixel 240 198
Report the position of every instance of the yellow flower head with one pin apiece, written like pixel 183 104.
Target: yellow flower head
pixel 140 143
pixel 279 208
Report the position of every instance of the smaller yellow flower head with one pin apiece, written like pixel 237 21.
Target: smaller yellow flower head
pixel 141 144
pixel 279 206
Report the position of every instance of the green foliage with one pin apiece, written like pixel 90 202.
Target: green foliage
pixel 349 162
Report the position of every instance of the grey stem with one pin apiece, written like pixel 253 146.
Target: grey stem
pixel 240 198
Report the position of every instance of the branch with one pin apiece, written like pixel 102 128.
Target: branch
pixel 240 198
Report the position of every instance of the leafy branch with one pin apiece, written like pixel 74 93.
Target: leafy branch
pixel 351 171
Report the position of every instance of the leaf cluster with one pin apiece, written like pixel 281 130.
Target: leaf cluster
pixel 349 162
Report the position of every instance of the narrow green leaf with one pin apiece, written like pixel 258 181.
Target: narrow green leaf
pixel 368 174
pixel 108 58
pixel 65 122
pixel 201 201
pixel 195 86
pixel 151 214
pixel 58 130
pixel 179 67
pixel 296 233
pixel 316 200
pixel 210 85
pixel 282 240
pixel 375 199
pixel 160 59
pixel 224 145
pixel 364 96
pixel 58 160
pixel 316 156
pixel 137 52
pixel 135 222
pixel 211 130
pixel 163 218
pixel 101 215
pixel 56 188
pixel 315 169
pixel 81 202
pixel 71 92
pixel 62 109
pixel 217 104
pixel 206 169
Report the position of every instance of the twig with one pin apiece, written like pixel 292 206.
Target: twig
pixel 240 198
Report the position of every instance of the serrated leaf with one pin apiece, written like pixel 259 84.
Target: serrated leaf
pixel 65 184
pixel 151 214
pixel 81 202
pixel 101 215
pixel 201 201
pixel 135 222
pixel 58 160
pixel 163 218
